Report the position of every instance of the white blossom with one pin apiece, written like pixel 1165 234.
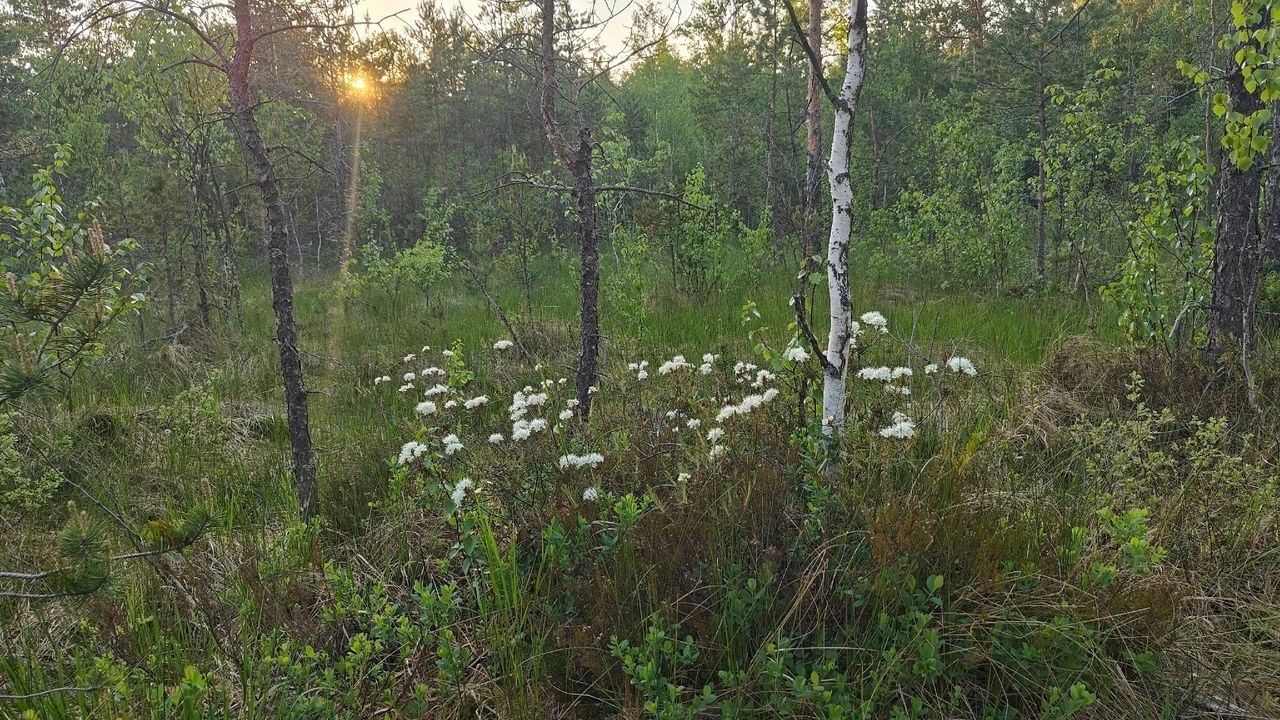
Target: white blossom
pixel 447 353
pixel 428 372
pixel 902 427
pixel 503 345
pixel 931 369
pixel 409 358
pixel 476 402
pixel 876 320
pixel 882 373
pixel 593 390
pixel 496 438
pixel 522 429
pixel 962 365
pixel 682 477
pixel 672 365
pixel 591 494
pixel 460 491
pixel 406 387
pixel 795 354
pixel 715 434
pixel 717 451
pixel 578 462
pixel 693 423
pixel 411 451
pixel 451 444
pixel 426 407
pixel 450 404
pixel 436 389
pixel 770 394
pixel 410 377
pixel 566 415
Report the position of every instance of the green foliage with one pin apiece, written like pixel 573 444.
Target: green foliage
pixel 1169 248
pixel 19 487
pixel 65 286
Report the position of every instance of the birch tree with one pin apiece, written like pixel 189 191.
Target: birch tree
pixel 835 358
pixel 839 335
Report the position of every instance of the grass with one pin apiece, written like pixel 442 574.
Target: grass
pixel 965 573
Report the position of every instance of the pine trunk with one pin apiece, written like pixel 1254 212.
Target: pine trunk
pixel 243 102
pixel 1237 246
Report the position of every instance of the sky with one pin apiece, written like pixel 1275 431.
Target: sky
pixel 613 37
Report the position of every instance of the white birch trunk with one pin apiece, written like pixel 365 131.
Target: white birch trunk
pixel 838 336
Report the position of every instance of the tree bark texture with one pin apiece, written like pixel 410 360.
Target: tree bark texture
pixel 841 305
pixel 243 104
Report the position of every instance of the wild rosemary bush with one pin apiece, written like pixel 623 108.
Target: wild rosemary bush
pixel 988 543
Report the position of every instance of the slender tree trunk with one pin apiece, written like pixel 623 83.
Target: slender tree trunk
pixel 813 138
pixel 773 163
pixel 1041 175
pixel 243 102
pixel 198 248
pixel 1236 250
pixel 584 198
pixel 579 163
pixel 841 305
pixel 1271 240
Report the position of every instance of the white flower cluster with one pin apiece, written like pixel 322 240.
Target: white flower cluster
pixel 426 407
pixel 591 494
pixel 715 434
pixel 496 438
pixel 749 403
pixel 382 379
pixel 523 429
pixel 503 345
pixel 674 364
pixel 475 402
pixel 434 390
pixel 524 399
pixel 640 369
pixel 903 427
pixel 795 354
pixel 889 376
pixel 717 452
pixel 460 491
pixel 962 365
pixel 876 320
pixel 707 363
pixel 451 444
pixel 411 451
pixel 406 387
pixel 578 462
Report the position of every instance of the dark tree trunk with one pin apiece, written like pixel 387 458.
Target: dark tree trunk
pixel 199 267
pixel 1271 239
pixel 579 163
pixel 1041 175
pixel 1236 248
pixel 243 102
pixel 584 200
pixel 814 164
